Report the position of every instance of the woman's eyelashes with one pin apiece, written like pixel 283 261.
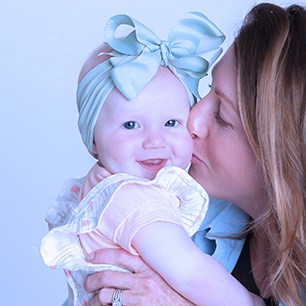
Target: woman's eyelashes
pixel 219 118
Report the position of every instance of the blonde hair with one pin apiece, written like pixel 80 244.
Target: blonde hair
pixel 270 51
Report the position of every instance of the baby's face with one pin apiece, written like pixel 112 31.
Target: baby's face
pixel 141 136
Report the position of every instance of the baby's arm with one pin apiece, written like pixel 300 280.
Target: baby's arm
pixel 194 274
pixel 146 220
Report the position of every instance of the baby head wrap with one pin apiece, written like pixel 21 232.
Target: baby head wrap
pixel 193 45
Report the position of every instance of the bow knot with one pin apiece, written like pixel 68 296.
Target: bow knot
pixel 164 52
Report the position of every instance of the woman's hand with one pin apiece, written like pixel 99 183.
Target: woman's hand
pixel 141 287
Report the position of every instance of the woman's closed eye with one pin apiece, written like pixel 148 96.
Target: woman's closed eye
pixel 219 118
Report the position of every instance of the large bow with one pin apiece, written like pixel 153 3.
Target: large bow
pixel 192 47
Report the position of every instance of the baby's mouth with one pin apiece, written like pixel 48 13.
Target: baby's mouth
pixel 154 164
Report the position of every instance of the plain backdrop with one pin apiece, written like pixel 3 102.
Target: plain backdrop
pixel 43 45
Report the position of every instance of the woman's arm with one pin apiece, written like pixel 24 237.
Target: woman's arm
pixel 142 287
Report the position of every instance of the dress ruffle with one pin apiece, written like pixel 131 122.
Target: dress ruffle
pixel 61 246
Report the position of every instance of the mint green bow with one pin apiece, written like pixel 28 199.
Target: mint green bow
pixel 192 47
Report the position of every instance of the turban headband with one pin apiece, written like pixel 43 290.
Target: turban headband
pixel 192 46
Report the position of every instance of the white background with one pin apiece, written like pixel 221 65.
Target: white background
pixel 42 47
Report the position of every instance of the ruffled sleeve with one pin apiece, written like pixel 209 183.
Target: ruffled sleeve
pixel 172 197
pixel 142 205
pixel 66 201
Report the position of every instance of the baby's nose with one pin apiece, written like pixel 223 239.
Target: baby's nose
pixel 154 141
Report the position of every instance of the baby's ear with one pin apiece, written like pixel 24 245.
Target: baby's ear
pixel 94 150
pixel 94 59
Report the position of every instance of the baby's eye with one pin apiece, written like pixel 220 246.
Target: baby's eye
pixel 172 123
pixel 130 125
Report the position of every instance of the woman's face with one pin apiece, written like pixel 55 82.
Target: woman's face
pixel 223 161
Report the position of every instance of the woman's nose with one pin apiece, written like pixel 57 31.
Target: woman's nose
pixel 198 120
pixel 154 140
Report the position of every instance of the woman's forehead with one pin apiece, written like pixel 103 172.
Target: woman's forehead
pixel 226 63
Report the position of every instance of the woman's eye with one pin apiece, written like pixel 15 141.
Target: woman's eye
pixel 219 119
pixel 171 123
pixel 130 125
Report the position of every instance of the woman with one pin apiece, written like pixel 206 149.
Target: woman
pixel 249 148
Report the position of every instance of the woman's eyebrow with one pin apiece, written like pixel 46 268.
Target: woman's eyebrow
pixel 226 99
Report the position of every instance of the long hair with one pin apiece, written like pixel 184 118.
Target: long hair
pixel 270 51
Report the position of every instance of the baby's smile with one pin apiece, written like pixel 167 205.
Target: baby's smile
pixel 154 164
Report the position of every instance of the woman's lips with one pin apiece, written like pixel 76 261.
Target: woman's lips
pixel 196 159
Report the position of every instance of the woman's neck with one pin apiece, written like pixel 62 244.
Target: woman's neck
pixel 259 249
pixel 255 207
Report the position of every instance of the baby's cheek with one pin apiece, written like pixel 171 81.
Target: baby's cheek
pixel 185 152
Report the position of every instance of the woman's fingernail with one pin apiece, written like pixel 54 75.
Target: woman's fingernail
pixel 90 256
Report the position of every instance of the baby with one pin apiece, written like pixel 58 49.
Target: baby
pixel 134 98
